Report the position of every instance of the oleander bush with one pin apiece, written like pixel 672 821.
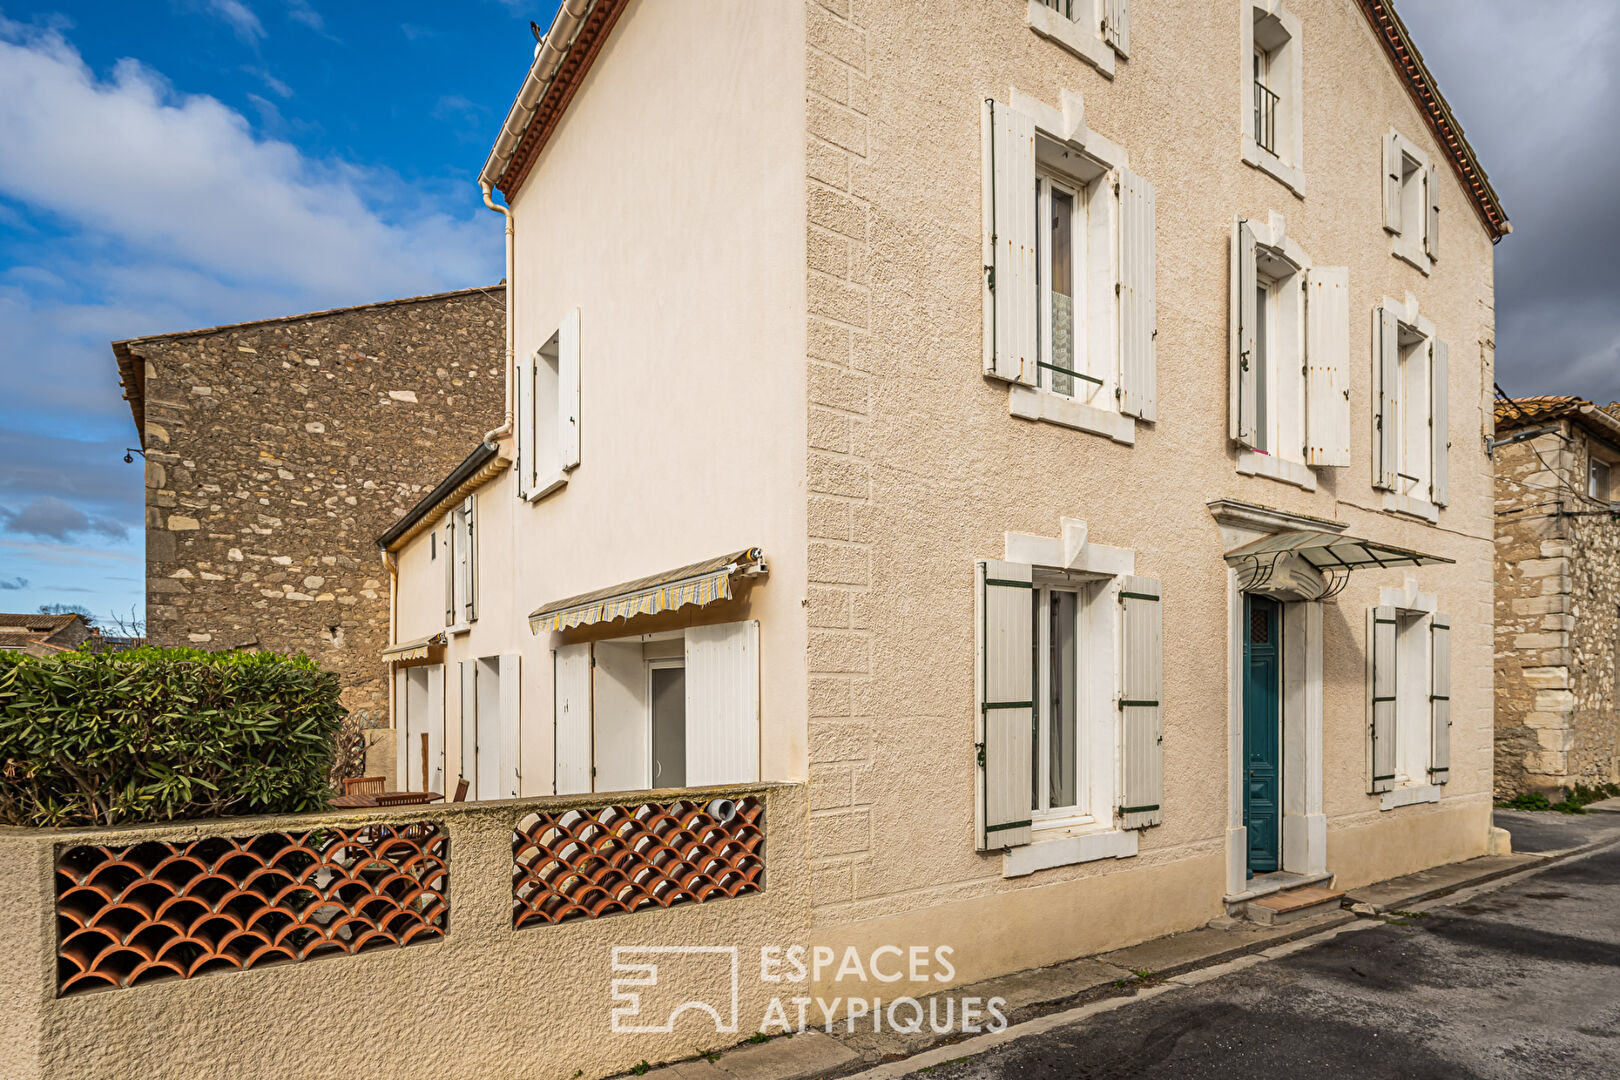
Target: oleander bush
pixel 151 734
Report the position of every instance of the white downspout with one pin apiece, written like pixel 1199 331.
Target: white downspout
pixel 511 356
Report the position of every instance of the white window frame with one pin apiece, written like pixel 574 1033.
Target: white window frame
pixel 1409 232
pixel 1416 332
pixel 1415 614
pixel 1273 32
pixel 1080 27
pixel 1096 742
pixel 1599 478
pixel 461 526
pixel 1087 831
pixel 547 422
pixel 1061 133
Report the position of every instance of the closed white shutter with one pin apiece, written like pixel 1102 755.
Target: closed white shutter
pixel 1431 234
pixel 1392 182
pixel 1327 358
pixel 402 728
pixel 572 692
pixel 449 555
pixel 1141 714
pixel 469 727
pixel 568 389
pixel 1138 318
pixel 1242 407
pixel 470 557
pixel 510 773
pixel 722 704
pixel 1440 423
pixel 1004 670
pixel 1386 434
pixel 1440 701
pixel 435 729
pixel 1381 692
pixel 1117 25
pixel 1009 244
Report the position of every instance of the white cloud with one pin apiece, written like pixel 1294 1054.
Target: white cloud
pixel 239 17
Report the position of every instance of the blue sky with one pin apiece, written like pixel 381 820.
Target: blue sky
pixel 172 164
pixel 184 163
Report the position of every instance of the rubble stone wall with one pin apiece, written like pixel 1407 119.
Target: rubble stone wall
pixel 278 452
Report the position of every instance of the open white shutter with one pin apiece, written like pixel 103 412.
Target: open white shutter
pixel 1327 372
pixel 509 725
pixel 722 704
pixel 1439 424
pixel 1009 244
pixel 1141 714
pixel 1117 25
pixel 402 728
pixel 1440 701
pixel 1431 234
pixel 1138 319
pixel 572 689
pixel 1242 407
pixel 470 557
pixel 1005 684
pixel 469 727
pixel 448 554
pixel 1381 692
pixel 1386 435
pixel 435 729
pixel 1392 182
pixel 524 419
pixel 568 389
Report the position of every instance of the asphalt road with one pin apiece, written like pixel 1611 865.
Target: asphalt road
pixel 1516 983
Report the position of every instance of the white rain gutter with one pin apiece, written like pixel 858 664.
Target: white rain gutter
pixel 548 57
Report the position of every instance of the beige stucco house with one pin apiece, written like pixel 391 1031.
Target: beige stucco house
pixel 1054 431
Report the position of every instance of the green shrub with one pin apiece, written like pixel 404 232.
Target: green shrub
pixel 162 734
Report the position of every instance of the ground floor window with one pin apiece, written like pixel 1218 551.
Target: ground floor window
pixel 1409 697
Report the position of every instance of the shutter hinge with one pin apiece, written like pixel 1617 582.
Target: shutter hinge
pixel 1116 288
pixel 990 271
pixel 979 751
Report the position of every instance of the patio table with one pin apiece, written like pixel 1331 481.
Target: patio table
pixel 359 801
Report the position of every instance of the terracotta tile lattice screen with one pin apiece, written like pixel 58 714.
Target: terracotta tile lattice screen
pixel 176 910
pixel 583 864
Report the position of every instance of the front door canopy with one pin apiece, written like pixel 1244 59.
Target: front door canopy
pixel 1333 555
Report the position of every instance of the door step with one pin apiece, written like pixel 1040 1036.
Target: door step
pixel 1291 905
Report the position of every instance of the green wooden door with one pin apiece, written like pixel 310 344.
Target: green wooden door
pixel 1262 757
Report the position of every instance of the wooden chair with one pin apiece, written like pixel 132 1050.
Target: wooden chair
pixel 363 785
pixel 461 791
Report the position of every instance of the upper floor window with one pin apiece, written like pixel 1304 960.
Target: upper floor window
pixel 1094 30
pixel 1290 379
pixel 1411 202
pixel 1410 423
pixel 1068 270
pixel 1272 92
pixel 459 553
pixel 1597 480
pixel 548 412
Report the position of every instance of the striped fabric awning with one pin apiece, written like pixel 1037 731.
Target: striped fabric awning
pixel 701 583
pixel 413 650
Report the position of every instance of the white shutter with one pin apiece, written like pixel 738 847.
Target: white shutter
pixel 1439 424
pixel 1005 685
pixel 469 727
pixel 1141 714
pixel 402 728
pixel 568 389
pixel 1117 25
pixel 435 728
pixel 470 557
pixel 1327 373
pixel 571 665
pixel 1009 244
pixel 1138 319
pixel 525 426
pixel 1242 407
pixel 722 704
pixel 1431 234
pixel 1392 182
pixel 1386 435
pixel 1381 693
pixel 510 713
pixel 449 556
pixel 1440 701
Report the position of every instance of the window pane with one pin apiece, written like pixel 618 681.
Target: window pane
pixel 1061 239
pixel 1061 713
pixel 1262 387
pixel 1035 693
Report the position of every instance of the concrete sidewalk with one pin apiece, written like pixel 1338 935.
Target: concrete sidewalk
pixel 1116 978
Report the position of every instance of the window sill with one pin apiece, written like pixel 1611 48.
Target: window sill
pixel 547 485
pixel 1412 506
pixel 1254 463
pixel 1072 37
pixel 459 628
pixel 1068 851
pixel 1033 404
pixel 1409 794
pixel 1267 162
pixel 1419 259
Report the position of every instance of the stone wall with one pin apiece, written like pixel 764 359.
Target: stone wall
pixel 1557 619
pixel 276 454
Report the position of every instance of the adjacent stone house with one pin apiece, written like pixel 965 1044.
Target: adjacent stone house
pixel 1557 595
pixel 43 635
pixel 277 450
